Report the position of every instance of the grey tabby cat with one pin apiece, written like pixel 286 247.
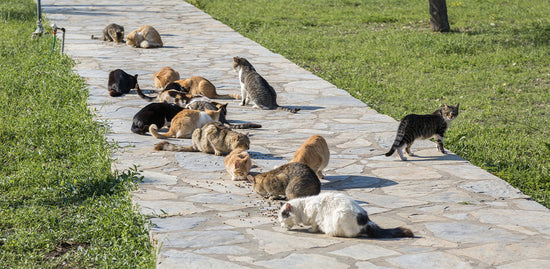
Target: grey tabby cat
pixel 201 105
pixel 415 126
pixel 288 181
pixel 113 33
pixel 255 88
pixel 212 138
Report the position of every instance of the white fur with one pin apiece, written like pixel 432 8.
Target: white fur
pixel 203 119
pixel 335 214
pixel 244 93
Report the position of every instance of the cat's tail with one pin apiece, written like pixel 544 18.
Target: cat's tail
pixel 244 126
pixel 372 230
pixel 291 110
pixel 153 129
pixel 142 95
pixel 94 37
pixel 167 146
pixel 398 138
pixel 227 96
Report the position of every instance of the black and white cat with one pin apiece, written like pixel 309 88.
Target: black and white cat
pixel 154 113
pixel 334 214
pixel 255 88
pixel 414 127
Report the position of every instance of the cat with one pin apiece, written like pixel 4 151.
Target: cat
pixel 120 82
pixel 175 86
pixel 200 85
pixel 112 33
pixel 238 164
pixel 334 214
pixel 201 105
pixel 144 37
pixel 212 138
pixel 255 88
pixel 185 122
pixel 169 96
pixel 414 127
pixel 164 76
pixel 154 113
pixel 314 152
pixel 287 181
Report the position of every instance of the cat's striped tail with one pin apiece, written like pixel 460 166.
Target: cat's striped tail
pixel 167 146
pixel 291 110
pixel 227 96
pixel 142 95
pixel 244 126
pixel 398 138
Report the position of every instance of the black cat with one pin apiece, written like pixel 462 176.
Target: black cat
pixel 120 82
pixel 154 113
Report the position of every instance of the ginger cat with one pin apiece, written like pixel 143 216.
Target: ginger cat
pixel 185 122
pixel 164 76
pixel 200 85
pixel 313 152
pixel 238 164
pixel 144 37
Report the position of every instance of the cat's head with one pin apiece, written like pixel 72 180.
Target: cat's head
pixel 215 115
pixel 131 39
pixel 239 63
pixel 449 112
pixel 239 169
pixel 241 141
pixel 287 216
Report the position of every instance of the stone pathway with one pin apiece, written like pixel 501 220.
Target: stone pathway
pixel 463 217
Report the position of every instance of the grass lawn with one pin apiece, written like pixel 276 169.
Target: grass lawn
pixel 496 63
pixel 60 204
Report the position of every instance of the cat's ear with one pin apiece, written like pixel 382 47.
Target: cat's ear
pixel 250 178
pixel 457 104
pixel 444 105
pixel 235 58
pixel 136 75
pixel 288 207
pixel 237 164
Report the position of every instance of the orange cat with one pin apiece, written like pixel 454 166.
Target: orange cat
pixel 200 85
pixel 144 37
pixel 313 152
pixel 238 164
pixel 185 122
pixel 165 76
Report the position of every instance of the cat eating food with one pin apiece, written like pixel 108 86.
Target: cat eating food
pixel 164 76
pixel 255 88
pixel 154 113
pixel 202 86
pixel 144 37
pixel 169 96
pixel 112 33
pixel 185 122
pixel 212 138
pixel 314 152
pixel 414 127
pixel 201 105
pixel 287 181
pixel 238 164
pixel 334 214
pixel 120 82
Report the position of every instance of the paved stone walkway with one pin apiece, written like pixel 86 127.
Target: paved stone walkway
pixel 463 217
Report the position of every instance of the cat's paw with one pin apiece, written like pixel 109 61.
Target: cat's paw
pixel 443 151
pixel 403 158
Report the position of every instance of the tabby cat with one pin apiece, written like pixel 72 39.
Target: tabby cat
pixel 144 37
pixel 334 214
pixel 112 33
pixel 169 96
pixel 414 127
pixel 185 122
pixel 287 181
pixel 255 88
pixel 212 138
pixel 201 105
pixel 155 113
pixel 238 164
pixel 164 76
pixel 202 86
pixel 314 152
pixel 120 82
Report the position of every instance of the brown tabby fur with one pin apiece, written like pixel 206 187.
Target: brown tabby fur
pixel 238 164
pixel 212 138
pixel 185 122
pixel 200 85
pixel 287 181
pixel 165 76
pixel 169 96
pixel 144 37
pixel 314 152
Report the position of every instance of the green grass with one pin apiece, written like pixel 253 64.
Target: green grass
pixel 60 203
pixel 496 63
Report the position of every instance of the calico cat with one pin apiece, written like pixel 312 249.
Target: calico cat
pixel 238 164
pixel 255 88
pixel 414 126
pixel 201 105
pixel 169 96
pixel 334 214
pixel 200 85
pixel 185 122
pixel 287 181
pixel 164 76
pixel 314 152
pixel 120 82
pixel 112 33
pixel 154 113
pixel 212 138
pixel 144 37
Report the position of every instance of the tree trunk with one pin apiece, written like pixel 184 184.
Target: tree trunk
pixel 438 16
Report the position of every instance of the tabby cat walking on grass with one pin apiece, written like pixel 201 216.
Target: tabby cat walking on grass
pixel 414 127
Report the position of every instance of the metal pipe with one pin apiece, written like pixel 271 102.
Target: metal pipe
pixel 39 29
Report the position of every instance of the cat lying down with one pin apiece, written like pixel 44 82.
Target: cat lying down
pixel 334 214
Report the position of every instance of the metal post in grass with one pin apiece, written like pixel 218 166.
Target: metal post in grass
pixel 438 16
pixel 39 29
